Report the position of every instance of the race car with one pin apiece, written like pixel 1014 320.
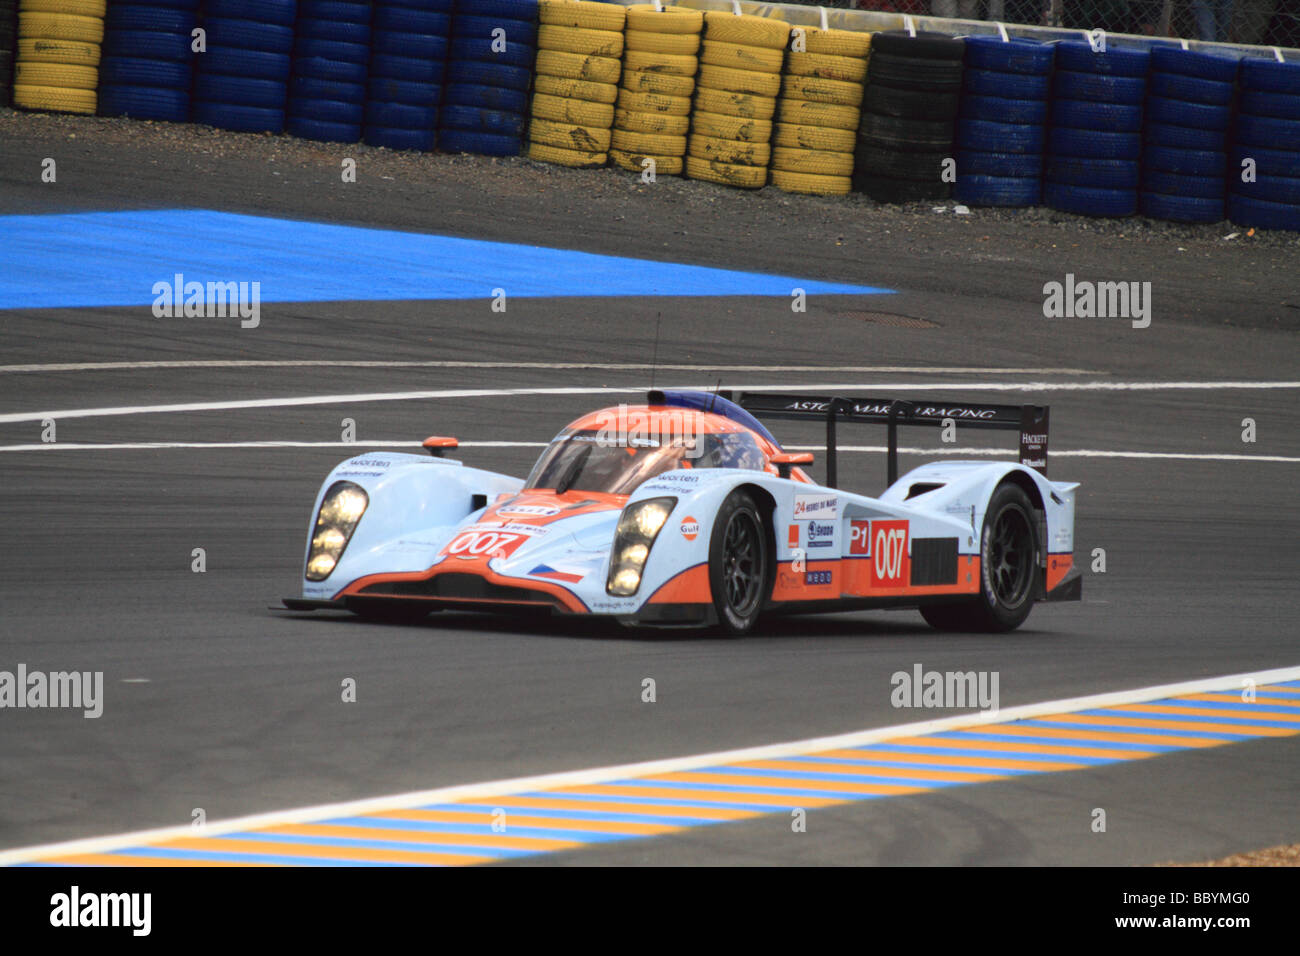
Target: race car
pixel 686 511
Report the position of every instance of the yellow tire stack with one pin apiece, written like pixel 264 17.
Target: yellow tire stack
pixel 660 60
pixel 735 99
pixel 579 44
pixel 817 119
pixel 57 62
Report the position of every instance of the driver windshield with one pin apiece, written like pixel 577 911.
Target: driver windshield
pixel 588 461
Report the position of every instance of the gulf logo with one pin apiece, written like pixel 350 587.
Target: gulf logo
pixel 690 528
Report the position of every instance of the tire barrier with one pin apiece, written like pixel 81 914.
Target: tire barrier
pixel 147 68
pixel 1095 141
pixel 331 55
pixel 490 64
pixel 822 90
pixel 409 44
pixel 1264 158
pixel 905 140
pixel 579 50
pixel 242 81
pixel 57 66
pixel 652 108
pixel 740 63
pixel 1185 135
pixel 8 41
pixel 1001 125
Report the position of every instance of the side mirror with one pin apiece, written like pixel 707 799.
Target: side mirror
pixel 787 460
pixel 438 445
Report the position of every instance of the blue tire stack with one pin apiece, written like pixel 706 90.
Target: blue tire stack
pixel 1001 128
pixel 486 104
pixel 243 78
pixel 1189 103
pixel 331 55
pixel 1267 131
pixel 146 69
pixel 407 62
pixel 1095 141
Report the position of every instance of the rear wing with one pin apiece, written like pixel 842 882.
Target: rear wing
pixel 1029 420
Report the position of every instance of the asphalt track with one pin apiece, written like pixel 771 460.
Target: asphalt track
pixel 214 701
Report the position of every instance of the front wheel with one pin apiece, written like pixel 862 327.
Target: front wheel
pixel 1008 569
pixel 738 564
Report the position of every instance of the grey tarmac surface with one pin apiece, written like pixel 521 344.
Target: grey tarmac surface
pixel 241 712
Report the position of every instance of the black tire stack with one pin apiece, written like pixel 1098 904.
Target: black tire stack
pixel 1267 131
pixel 331 56
pixel 8 42
pixel 147 69
pixel 500 71
pixel 408 60
pixel 1002 125
pixel 1185 130
pixel 913 93
pixel 242 82
pixel 1095 143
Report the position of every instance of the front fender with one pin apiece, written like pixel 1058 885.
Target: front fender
pixel 416 503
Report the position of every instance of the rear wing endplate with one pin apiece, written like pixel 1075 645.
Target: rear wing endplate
pixel 1029 420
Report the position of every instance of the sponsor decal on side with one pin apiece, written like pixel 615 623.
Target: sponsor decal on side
pixel 807 507
pixel 818 577
pixel 821 534
pixel 690 528
pixel 793 537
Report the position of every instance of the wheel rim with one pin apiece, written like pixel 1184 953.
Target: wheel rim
pixel 1010 557
pixel 741 570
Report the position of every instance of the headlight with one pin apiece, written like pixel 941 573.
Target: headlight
pixel 340 510
pixel 637 529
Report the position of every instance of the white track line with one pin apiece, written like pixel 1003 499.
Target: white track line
pixel 974 452
pixel 604 367
pixel 574 778
pixel 876 388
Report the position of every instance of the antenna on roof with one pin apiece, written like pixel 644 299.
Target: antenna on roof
pixel 713 400
pixel 654 359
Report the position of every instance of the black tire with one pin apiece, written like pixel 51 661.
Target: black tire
pixel 1008 569
pixel 910 104
pixel 925 45
pixel 739 564
pixel 906 73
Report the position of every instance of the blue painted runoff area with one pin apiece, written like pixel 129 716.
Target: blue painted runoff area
pixel 72 260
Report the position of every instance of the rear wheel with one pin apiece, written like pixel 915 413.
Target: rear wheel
pixel 1008 569
pixel 738 564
